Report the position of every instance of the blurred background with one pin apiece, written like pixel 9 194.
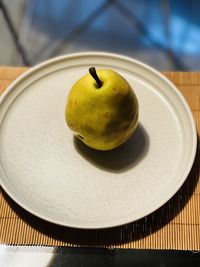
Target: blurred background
pixel 162 33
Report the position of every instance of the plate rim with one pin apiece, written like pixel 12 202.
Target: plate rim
pixel 187 170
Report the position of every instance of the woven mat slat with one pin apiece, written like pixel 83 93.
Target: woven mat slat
pixel 174 226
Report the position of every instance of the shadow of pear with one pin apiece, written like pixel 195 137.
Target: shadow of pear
pixel 120 159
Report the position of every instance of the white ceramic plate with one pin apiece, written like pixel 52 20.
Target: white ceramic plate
pixel 52 175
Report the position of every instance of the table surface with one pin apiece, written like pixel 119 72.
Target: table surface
pixel 176 225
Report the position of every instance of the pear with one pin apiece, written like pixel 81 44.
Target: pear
pixel 102 109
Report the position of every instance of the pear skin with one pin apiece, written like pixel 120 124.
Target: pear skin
pixel 102 109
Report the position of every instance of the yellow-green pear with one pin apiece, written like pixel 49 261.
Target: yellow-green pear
pixel 102 109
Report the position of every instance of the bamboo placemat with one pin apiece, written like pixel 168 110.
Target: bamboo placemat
pixel 174 226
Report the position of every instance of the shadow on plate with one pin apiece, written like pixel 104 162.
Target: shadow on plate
pixel 111 236
pixel 119 159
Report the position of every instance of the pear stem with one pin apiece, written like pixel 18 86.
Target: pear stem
pixel 94 75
